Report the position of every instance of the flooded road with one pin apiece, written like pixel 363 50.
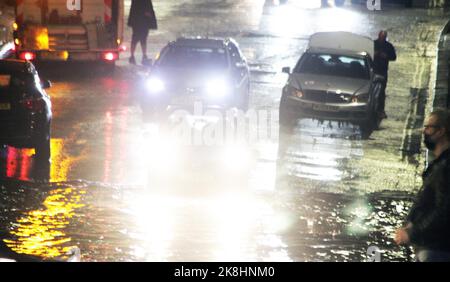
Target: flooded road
pixel 118 224
pixel 320 194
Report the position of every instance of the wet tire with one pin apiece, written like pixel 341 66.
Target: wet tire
pixel 366 130
pixel 369 125
pixel 287 120
pixel 42 150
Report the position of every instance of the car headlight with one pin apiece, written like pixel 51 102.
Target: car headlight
pixel 217 87
pixel 154 85
pixel 294 92
pixel 361 98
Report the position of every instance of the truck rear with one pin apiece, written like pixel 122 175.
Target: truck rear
pixel 68 30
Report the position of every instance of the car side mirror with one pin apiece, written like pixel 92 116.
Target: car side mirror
pixel 379 78
pixel 286 70
pixel 46 84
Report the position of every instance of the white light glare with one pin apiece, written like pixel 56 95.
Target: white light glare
pixel 236 157
pixel 155 85
pixel 217 87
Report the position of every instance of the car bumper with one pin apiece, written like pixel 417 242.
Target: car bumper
pixel 352 112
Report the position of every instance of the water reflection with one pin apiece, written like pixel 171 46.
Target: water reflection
pixel 319 152
pixel 217 227
pixel 41 232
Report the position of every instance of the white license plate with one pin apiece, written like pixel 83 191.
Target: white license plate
pixel 185 100
pixel 5 106
pixel 325 108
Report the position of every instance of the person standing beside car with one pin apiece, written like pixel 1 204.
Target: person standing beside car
pixel 141 19
pixel 428 222
pixel 384 52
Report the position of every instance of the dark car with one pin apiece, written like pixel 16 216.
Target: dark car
pixel 212 72
pixel 25 108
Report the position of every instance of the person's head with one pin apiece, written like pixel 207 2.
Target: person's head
pixel 436 129
pixel 382 35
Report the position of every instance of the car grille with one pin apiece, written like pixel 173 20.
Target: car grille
pixel 327 97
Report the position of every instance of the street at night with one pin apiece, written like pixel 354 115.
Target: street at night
pixel 121 190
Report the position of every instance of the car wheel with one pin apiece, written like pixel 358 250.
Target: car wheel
pixel 376 115
pixel 366 130
pixel 287 120
pixel 42 149
pixel 369 125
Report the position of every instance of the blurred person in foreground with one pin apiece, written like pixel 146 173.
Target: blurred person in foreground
pixel 427 225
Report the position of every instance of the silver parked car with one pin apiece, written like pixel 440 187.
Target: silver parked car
pixel 333 80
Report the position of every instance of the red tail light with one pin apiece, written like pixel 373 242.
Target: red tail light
pixel 109 56
pixel 35 105
pixel 28 56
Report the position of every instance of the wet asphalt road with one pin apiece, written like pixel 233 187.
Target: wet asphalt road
pixel 329 197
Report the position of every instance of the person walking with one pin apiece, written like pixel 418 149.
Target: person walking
pixel 427 225
pixel 384 52
pixel 141 19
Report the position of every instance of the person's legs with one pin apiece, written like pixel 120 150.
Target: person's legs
pixel 134 41
pixel 144 36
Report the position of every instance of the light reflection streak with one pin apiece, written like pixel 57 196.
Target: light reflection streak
pixel 11 162
pixel 232 222
pixel 41 232
pixel 108 147
pixel 155 225
pixel 18 163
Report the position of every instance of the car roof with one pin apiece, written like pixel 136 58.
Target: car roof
pixel 14 65
pixel 200 42
pixel 342 41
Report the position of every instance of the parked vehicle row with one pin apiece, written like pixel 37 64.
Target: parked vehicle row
pixel 333 80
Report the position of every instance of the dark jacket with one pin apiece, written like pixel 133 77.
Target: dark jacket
pixel 142 15
pixel 430 214
pixel 381 65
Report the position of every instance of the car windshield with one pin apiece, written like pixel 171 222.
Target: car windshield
pixel 186 56
pixel 333 65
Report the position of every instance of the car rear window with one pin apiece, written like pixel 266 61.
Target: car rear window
pixel 333 65
pixel 15 80
pixel 187 56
